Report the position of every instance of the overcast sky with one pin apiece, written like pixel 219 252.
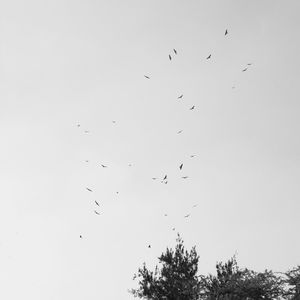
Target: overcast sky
pixel 64 63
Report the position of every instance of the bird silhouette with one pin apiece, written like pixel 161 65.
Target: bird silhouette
pixel 192 156
pixel 86 131
pixel 89 189
pixel 186 216
pixel 170 57
pixel 184 177
pixel 166 176
pixel 97 203
pixel 154 178
pixel 96 212
pixel 180 167
pixel 179 131
pixel 192 107
pixel 226 32
pixel 180 97
pixel 147 77
pixel 245 70
pixel 78 125
pixel 195 205
pixel 149 246
pixel 175 51
pixel 209 56
pixel 103 166
pixel 80 236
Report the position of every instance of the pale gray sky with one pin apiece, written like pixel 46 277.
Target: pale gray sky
pixel 68 62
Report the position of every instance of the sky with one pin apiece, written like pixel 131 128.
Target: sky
pixel 68 63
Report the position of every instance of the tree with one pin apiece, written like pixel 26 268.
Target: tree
pixel 231 282
pixel 293 283
pixel 176 279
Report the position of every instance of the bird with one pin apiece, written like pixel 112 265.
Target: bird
pixel 186 216
pixel 192 156
pixel 192 107
pixel 173 228
pixel 89 189
pixel 165 177
pixel 170 57
pixel 245 70
pixel 250 64
pixel 129 165
pixel 96 212
pixel 154 178
pixel 226 32
pixel 195 205
pixel 209 56
pixel 80 236
pixel 179 131
pixel 114 122
pixel 86 161
pixel 184 177
pixel 103 166
pixel 180 97
pixel 180 167
pixel 166 182
pixel 147 77
pixel 149 246
pixel 86 131
pixel 175 51
pixel 166 215
pixel 97 203
pixel 78 125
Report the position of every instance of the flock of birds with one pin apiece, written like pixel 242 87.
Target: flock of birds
pixel 164 179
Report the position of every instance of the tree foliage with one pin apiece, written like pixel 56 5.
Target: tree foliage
pixel 176 278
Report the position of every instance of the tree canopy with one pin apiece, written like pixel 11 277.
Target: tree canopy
pixel 176 278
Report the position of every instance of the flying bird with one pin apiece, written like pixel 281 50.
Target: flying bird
pixel 147 77
pixel 97 203
pixel 195 205
pixel 192 107
pixel 209 56
pixel 78 125
pixel 86 131
pixel 192 156
pixel 149 246
pixel 170 57
pixel 154 178
pixel 114 122
pixel 179 131
pixel 80 236
pixel 165 177
pixel 185 177
pixel 103 166
pixel 180 97
pixel 250 64
pixel 173 228
pixel 89 189
pixel 226 32
pixel 180 167
pixel 166 215
pixel 175 51
pixel 186 216
pixel 245 70
pixel 96 212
